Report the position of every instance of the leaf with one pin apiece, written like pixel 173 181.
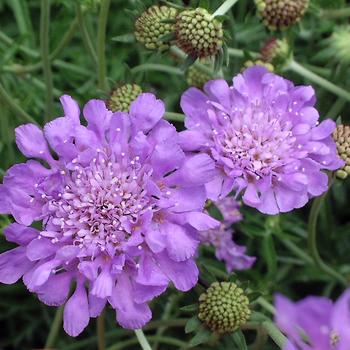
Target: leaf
pixel 219 59
pixel 192 324
pixel 239 340
pixel 189 308
pixel 269 253
pixel 167 37
pixel 168 21
pixel 204 4
pixel 124 38
pixel 201 337
pixel 222 18
pixel 188 62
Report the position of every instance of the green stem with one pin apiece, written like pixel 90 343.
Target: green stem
pixel 14 106
pixel 101 342
pixel 312 241
pixel 8 41
pixel 336 108
pixel 296 250
pixel 142 339
pixel 224 8
pixel 299 69
pixel 55 328
pixel 176 117
pixel 157 67
pixel 101 46
pixel 274 333
pixel 85 34
pixel 21 21
pixel 338 13
pixel 266 305
pixel 45 56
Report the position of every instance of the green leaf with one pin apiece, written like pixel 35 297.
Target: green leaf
pixel 124 38
pixel 270 256
pixel 189 308
pixel 219 59
pixel 222 18
pixel 204 4
pixel 168 21
pixel 192 324
pixel 201 337
pixel 239 340
pixel 188 62
pixel 167 37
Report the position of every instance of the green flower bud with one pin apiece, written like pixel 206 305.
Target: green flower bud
pixel 198 34
pixel 340 43
pixel 150 27
pixel 120 99
pixel 281 14
pixel 251 63
pixel 341 136
pixel 277 52
pixel 196 77
pixel 224 307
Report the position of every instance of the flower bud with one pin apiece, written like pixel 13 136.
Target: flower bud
pixel 198 34
pixel 341 137
pixel 153 24
pixel 196 77
pixel 276 51
pixel 120 98
pixel 224 307
pixel 340 43
pixel 281 14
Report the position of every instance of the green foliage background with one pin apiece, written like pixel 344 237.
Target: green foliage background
pixel 279 243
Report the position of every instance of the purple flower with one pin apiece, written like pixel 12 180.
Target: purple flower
pixel 264 136
pixel 120 205
pixel 315 323
pixel 221 238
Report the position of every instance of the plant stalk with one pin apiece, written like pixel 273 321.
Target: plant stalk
pixel 142 339
pixel 224 8
pixel 55 328
pixel 101 341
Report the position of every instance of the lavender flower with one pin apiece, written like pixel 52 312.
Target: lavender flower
pixel 120 205
pixel 221 238
pixel 315 323
pixel 264 136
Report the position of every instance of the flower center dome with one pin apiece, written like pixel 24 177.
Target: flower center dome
pixel 256 139
pixel 101 203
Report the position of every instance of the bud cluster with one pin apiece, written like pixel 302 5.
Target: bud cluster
pixel 224 307
pixel 341 137
pixel 281 14
pixel 196 77
pixel 121 97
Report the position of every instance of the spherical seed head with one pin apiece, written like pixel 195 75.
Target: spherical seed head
pixel 198 34
pixel 341 137
pixel 281 14
pixel 121 98
pixel 340 43
pixel 276 52
pixel 224 307
pixel 251 63
pixel 149 27
pixel 196 77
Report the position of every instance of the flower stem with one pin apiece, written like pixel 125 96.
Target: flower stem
pixel 157 67
pixel 45 56
pixel 312 241
pixel 101 45
pixel 224 8
pixel 101 342
pixel 55 328
pixel 4 96
pixel 299 69
pixel 142 339
pixel 274 333
pixel 338 13
pixel 176 117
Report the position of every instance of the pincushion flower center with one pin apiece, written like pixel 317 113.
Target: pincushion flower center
pixel 257 140
pixel 101 202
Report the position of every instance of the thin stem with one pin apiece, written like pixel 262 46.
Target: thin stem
pixel 55 328
pixel 299 69
pixel 101 45
pixel 14 106
pixel 157 67
pixel 142 339
pixel 224 8
pixel 176 117
pixel 8 41
pixel 336 108
pixel 266 305
pixel 338 13
pixel 274 333
pixel 45 56
pixel 101 342
pixel 85 34
pixel 312 241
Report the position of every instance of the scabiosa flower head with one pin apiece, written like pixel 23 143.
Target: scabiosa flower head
pixel 276 51
pixel 258 62
pixel 339 44
pixel 198 34
pixel 121 98
pixel 221 238
pixel 341 137
pixel 315 323
pixel 153 24
pixel 196 77
pixel 120 205
pixel 224 307
pixel 281 14
pixel 264 136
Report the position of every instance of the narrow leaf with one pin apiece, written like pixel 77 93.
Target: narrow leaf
pixel 192 324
